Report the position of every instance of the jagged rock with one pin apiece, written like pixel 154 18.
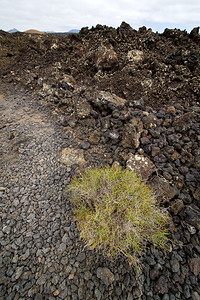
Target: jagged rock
pixel 83 108
pixel 141 165
pixel 105 58
pixel 177 206
pixel 105 275
pixel 106 100
pixel 192 216
pixel 161 285
pixel 183 123
pixel 131 133
pixel 135 56
pixel 163 190
pixel 71 156
pixel 196 195
pixel 195 265
pixel 94 138
pixel 150 120
pixel 47 89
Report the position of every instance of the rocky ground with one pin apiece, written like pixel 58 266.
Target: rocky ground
pixel 97 98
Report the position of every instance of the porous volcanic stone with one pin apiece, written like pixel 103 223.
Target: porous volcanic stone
pixel 163 190
pixel 141 165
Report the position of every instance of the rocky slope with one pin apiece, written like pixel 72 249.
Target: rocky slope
pixel 131 97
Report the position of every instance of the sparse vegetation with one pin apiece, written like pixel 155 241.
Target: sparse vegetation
pixel 117 212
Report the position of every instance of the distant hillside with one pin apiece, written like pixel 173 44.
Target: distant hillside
pixel 74 31
pixel 33 31
pixel 13 30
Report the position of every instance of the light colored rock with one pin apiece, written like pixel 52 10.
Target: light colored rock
pixel 103 98
pixel 83 108
pixel 105 58
pixel 71 156
pixel 147 83
pixel 16 202
pixel 47 89
pixel 69 80
pixel 141 165
pixel 135 56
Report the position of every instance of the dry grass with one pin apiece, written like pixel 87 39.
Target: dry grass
pixel 117 213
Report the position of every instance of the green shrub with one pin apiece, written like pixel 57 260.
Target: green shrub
pixel 117 213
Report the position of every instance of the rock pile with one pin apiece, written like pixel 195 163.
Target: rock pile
pixel 135 65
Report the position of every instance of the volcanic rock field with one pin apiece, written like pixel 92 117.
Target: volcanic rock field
pixel 101 97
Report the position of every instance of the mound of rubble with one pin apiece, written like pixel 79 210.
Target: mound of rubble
pixel 130 97
pixel 158 68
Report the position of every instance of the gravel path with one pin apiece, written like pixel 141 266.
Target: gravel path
pixel 36 238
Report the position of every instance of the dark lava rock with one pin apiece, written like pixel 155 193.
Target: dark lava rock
pixel 161 285
pixel 131 133
pixel 195 265
pixel 192 216
pixel 163 190
pixel 105 275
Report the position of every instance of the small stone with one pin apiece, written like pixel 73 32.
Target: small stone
pixel 183 122
pixel 164 192
pixel 167 176
pixel 161 285
pixel 25 255
pixel 97 294
pixel 18 273
pixel 118 290
pixel 171 110
pixel 83 108
pixel 65 238
pixel 187 291
pixel 105 58
pixel 56 292
pixel 41 280
pixel 85 145
pixel 154 273
pixel 71 276
pixel 94 138
pixel 155 151
pixel 196 195
pixel 145 140
pixel 81 257
pixel 141 165
pixel 38 297
pixel 131 133
pixel 177 206
pixel 16 202
pixel 105 275
pixel 175 265
pixel 71 156
pixel 195 295
pixel 192 216
pixel 2 188
pixel 62 246
pixel 135 56
pixel 6 229
pixel 195 265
